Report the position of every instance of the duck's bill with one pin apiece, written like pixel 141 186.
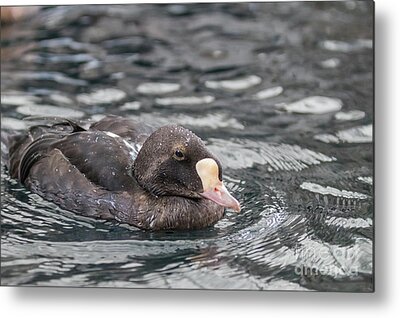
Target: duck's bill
pixel 214 189
pixel 221 196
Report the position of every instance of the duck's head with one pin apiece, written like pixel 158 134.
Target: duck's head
pixel 175 162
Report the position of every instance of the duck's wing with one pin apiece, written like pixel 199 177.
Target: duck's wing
pixel 57 180
pixel 128 129
pixel 103 159
pixel 38 137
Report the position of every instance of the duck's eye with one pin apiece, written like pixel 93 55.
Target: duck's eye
pixel 179 155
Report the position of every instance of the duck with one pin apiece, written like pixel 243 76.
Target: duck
pixel 119 169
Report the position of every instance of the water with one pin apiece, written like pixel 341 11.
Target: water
pixel 281 92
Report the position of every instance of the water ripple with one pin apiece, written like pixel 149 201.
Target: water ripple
pixel 102 96
pixel 313 105
pixel 316 188
pixel 49 110
pixel 157 88
pixel 340 46
pixel 360 134
pixel 235 84
pixel 240 154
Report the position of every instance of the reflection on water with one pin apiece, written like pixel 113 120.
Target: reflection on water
pixel 281 92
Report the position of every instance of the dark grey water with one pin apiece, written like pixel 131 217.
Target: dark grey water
pixel 282 93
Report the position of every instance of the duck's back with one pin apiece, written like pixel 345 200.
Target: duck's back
pixel 78 168
pixel 131 131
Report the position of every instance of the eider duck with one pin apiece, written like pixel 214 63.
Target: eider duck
pixel 117 169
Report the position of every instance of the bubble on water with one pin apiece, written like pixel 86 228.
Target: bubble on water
pixel 313 105
pixel 235 84
pixel 350 115
pixel 153 88
pixel 102 96
pixel 48 110
pixel 268 93
pixel 316 188
pixel 185 100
